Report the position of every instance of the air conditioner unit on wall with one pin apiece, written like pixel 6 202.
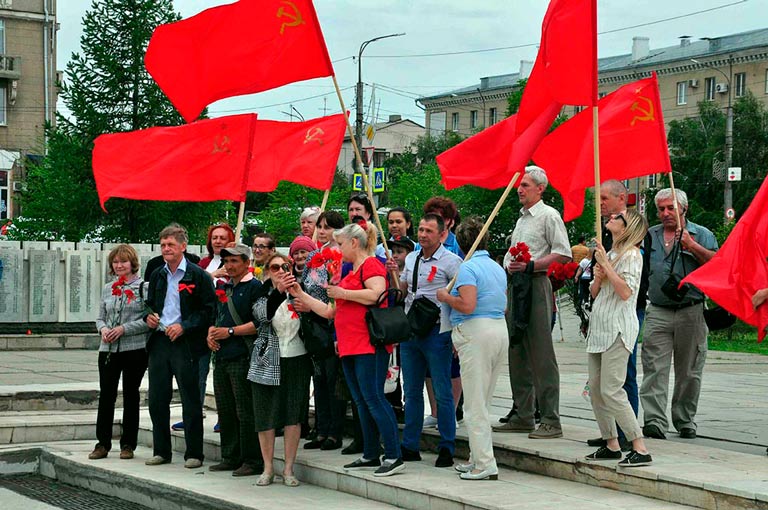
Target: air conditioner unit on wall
pixel 721 88
pixel 19 186
pixel 693 83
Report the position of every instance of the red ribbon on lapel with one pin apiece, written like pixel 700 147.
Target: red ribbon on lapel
pixel 432 273
pixel 187 287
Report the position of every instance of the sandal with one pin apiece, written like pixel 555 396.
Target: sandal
pixel 265 479
pixel 290 481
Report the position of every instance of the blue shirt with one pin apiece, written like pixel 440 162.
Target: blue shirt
pixel 172 303
pixel 491 282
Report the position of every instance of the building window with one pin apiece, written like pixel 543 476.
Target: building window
pixel 2 37
pixel 652 181
pixel 473 119
pixel 601 95
pixel 3 96
pixel 577 109
pixel 766 81
pixel 455 121
pixel 740 79
pixel 682 91
pixel 493 113
pixel 709 89
pixel 437 123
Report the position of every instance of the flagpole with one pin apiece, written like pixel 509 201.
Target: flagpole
pixel 322 209
pixel 239 227
pixel 596 149
pixel 487 224
pixel 359 160
pixel 674 201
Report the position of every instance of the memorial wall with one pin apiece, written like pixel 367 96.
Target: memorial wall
pixel 59 282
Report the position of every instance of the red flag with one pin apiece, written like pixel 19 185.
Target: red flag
pixel 633 143
pixel 240 48
pixel 480 160
pixel 565 72
pixel 204 161
pixel 740 267
pixel 301 152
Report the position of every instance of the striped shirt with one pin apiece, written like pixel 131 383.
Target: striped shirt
pixel 611 315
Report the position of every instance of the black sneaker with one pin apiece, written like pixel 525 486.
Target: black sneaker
pixel 597 442
pixel 444 458
pixel 409 455
pixel 389 468
pixel 634 459
pixel 604 453
pixel 362 463
pixel 654 432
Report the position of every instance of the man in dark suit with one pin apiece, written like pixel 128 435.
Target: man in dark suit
pixel 182 304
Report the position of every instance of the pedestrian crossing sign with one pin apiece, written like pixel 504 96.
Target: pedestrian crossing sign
pixel 357 182
pixel 378 180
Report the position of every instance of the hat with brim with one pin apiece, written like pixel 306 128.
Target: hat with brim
pixel 403 242
pixel 236 250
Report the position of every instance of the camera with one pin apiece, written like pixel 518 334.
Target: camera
pixel 286 267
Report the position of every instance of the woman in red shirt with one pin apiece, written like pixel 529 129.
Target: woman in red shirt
pixel 364 367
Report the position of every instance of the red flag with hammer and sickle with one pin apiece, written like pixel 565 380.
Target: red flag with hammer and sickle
pixel 633 143
pixel 203 161
pixel 740 267
pixel 241 48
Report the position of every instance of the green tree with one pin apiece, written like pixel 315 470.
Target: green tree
pixel 107 90
pixel 513 101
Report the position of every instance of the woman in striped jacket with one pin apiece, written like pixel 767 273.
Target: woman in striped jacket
pixel 613 329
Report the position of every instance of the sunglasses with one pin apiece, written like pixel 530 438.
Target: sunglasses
pixel 619 217
pixel 360 197
pixel 277 267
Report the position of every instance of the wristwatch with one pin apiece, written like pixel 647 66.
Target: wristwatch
pixel 231 331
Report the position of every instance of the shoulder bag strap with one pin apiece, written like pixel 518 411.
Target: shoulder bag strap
pixel 231 308
pixel 415 274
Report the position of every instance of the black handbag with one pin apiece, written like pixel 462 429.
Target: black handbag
pixel 671 286
pixel 718 318
pixel 423 314
pixel 387 326
pixel 317 334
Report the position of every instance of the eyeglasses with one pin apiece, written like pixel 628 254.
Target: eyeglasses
pixel 277 267
pixel 261 247
pixel 619 217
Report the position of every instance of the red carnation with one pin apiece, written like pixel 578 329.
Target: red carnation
pixel 222 295
pixel 130 295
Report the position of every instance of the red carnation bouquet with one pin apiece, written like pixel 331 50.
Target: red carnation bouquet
pixel 331 259
pixel 520 253
pixel 559 273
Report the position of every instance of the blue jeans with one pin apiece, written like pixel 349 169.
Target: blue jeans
pixel 630 383
pixel 434 352
pixel 365 375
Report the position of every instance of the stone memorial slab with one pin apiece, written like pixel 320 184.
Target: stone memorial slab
pixel 82 286
pixel 89 246
pixel 145 257
pixel 43 277
pixel 11 244
pixel 62 245
pixel 141 247
pixel 13 286
pixel 35 245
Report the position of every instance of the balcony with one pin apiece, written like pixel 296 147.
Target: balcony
pixel 10 67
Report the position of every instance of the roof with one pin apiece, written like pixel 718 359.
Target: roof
pixel 702 48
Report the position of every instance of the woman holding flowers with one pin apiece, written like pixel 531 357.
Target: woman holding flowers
pixel 613 329
pixel 122 352
pixel 365 367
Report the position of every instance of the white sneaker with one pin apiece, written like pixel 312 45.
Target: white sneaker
pixel 430 422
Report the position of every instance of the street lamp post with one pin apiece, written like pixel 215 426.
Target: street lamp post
pixel 727 189
pixel 359 96
pixel 482 98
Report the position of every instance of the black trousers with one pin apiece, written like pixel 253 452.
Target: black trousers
pixel 131 365
pixel 234 405
pixel 168 360
pixel 330 411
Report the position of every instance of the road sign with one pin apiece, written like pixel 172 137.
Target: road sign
pixel 378 180
pixel 730 213
pixel 641 205
pixel 734 173
pixel 357 182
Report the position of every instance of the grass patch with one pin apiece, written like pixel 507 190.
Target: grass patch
pixel 740 337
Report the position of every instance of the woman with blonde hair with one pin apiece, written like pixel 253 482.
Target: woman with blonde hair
pixel 122 351
pixel 613 330
pixel 365 367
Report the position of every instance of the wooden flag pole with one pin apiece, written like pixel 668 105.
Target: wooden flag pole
pixel 239 227
pixel 674 202
pixel 596 148
pixel 322 208
pixel 487 224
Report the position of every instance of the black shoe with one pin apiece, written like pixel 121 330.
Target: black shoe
pixel 353 449
pixel 362 463
pixel 634 459
pixel 388 469
pixel 224 466
pixel 510 414
pixel 654 432
pixel 598 442
pixel 312 434
pixel 331 443
pixel 444 458
pixel 409 455
pixel 315 444
pixel 687 433
pixel 604 453
pixel 626 446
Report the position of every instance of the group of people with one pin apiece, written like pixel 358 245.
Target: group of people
pixel 254 307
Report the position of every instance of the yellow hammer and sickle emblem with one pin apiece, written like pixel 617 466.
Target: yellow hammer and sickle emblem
pixel 313 135
pixel 295 16
pixel 221 144
pixel 645 113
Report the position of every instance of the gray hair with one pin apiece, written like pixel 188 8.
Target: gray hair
pixel 176 231
pixel 615 187
pixel 666 194
pixel 538 175
pixel 310 212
